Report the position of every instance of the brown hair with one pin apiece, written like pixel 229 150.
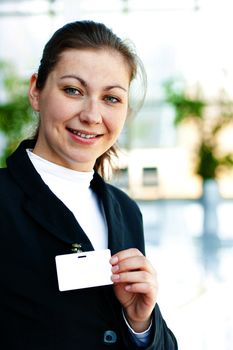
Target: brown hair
pixel 88 35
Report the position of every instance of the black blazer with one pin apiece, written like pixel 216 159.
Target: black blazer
pixel 35 226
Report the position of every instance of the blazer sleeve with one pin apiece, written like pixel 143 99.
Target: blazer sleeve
pixel 161 337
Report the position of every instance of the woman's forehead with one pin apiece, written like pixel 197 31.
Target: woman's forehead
pixel 90 55
pixel 90 63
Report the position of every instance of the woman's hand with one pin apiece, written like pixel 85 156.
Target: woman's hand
pixel 135 286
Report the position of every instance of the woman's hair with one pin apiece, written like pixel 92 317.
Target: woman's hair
pixel 90 35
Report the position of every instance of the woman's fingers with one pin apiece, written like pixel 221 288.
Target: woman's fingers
pixel 133 277
pixel 131 268
pixel 124 254
pixel 133 263
pixel 130 260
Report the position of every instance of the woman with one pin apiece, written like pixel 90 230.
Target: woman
pixel 54 202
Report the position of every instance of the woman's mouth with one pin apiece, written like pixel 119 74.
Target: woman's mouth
pixel 82 134
pixel 83 137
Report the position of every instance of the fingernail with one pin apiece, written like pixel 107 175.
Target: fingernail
pixel 115 268
pixel 114 260
pixel 115 278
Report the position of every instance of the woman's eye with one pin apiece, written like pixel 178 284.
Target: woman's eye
pixel 72 91
pixel 111 99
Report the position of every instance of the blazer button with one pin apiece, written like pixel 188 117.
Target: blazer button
pixel 110 337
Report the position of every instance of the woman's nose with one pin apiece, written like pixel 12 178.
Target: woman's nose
pixel 90 112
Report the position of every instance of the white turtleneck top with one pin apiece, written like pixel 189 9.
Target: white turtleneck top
pixel 73 189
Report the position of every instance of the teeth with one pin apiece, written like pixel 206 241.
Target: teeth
pixel 80 134
pixel 85 136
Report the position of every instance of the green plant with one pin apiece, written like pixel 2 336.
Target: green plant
pixel 16 116
pixel 193 108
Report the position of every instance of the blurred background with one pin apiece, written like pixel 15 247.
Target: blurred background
pixel 176 157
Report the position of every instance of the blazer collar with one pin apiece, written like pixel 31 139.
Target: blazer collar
pixel 52 214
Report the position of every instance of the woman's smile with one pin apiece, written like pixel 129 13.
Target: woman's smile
pixel 83 137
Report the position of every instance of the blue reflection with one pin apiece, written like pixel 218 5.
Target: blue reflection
pixel 195 270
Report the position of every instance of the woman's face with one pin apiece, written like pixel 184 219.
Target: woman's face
pixel 83 107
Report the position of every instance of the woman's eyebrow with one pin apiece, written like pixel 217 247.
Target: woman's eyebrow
pixel 110 87
pixel 84 83
pixel 73 76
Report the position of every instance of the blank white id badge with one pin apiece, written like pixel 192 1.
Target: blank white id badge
pixel 83 270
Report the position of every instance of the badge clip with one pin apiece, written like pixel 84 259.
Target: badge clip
pixel 76 248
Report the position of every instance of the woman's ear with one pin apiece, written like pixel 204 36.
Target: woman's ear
pixel 34 93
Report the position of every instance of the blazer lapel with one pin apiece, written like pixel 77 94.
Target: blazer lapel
pixel 57 219
pixel 41 204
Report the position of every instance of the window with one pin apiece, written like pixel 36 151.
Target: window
pixel 150 176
